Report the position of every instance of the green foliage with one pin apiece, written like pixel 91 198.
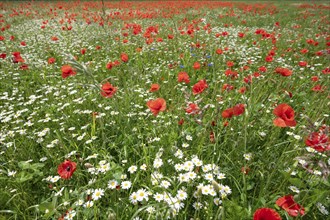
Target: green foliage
pixel 201 165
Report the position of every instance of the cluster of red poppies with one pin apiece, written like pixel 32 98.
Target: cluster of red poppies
pixel 287 203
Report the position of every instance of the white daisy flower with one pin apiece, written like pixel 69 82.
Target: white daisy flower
pixel 165 184
pixel 133 198
pixel 158 163
pixel 158 197
pixel 143 167
pixel 89 204
pixel 294 189
pixel 208 176
pixel 217 201
pixel 247 156
pixel 112 184
pixel 221 176
pixel 126 184
pixel 142 195
pixel 132 169
pixel 182 195
pixel 98 193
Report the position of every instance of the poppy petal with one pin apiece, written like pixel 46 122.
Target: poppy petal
pixel 279 122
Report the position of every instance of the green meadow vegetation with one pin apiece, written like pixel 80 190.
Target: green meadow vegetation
pixel 164 110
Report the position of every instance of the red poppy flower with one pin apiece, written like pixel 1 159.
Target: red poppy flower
pixel 183 77
pixel 3 56
pixel 238 109
pixel 302 63
pixel 170 36
pixel 248 79
pixel 197 66
pixel 17 57
pixel 23 43
pixel 318 88
pixel 157 105
pixel 154 88
pixel 219 51
pixel 256 74
pixel 271 52
pixel 66 169
pixel 2 38
pixel 283 71
pixel 315 78
pixel 51 60
pixel 319 53
pixel 83 51
pixel 192 109
pixel 124 57
pixel 242 90
pixel 212 140
pixel 116 63
pixel 234 111
pixel 319 141
pixel 245 170
pixel 230 63
pixel 326 70
pixel 67 71
pixel 266 214
pixel 241 35
pixel 262 69
pixel 227 87
pixel 24 67
pixel 232 74
pixel 199 87
pixel 108 90
pixel 228 113
pixel 149 41
pixel 303 51
pixel 285 115
pixel 109 65
pixel 54 38
pixel 269 58
pixel 290 206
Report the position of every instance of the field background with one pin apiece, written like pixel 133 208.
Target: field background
pixel 190 160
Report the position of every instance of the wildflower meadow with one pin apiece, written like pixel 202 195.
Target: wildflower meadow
pixel 151 110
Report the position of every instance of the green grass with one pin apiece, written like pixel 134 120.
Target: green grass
pixel 45 119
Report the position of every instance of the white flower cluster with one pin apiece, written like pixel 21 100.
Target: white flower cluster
pixel 205 177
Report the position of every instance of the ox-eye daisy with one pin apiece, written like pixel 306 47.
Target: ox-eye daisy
pixel 98 193
pixel 126 184
pixel 112 184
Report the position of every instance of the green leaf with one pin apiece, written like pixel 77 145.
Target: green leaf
pixel 263 201
pixel 250 186
pixel 50 207
pixel 37 166
pixel 117 175
pixel 297 182
pixel 24 176
pixel 46 205
pixel 24 165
